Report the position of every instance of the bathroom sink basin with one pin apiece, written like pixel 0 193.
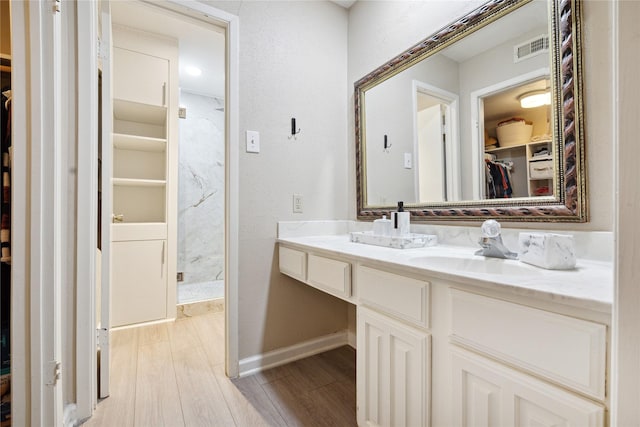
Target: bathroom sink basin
pixel 474 264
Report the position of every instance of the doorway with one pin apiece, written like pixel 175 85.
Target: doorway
pixel 436 143
pixel 192 20
pixel 199 256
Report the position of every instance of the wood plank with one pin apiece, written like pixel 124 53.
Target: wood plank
pixel 203 403
pixel 335 403
pixel 118 409
pixel 247 401
pixel 154 333
pixel 292 402
pixel 157 397
pixel 183 335
pixel 340 363
pixel 210 329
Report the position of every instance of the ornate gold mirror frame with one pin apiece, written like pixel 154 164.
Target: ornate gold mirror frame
pixel 569 203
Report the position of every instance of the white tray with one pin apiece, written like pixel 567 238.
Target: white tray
pixel 409 241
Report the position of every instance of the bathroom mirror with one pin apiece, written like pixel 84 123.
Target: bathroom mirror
pixel 481 119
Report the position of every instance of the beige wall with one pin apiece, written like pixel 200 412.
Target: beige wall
pixel 5 28
pixel 293 61
pixel 380 30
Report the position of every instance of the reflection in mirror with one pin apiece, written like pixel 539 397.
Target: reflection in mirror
pixel 516 138
pixel 474 114
pixel 432 112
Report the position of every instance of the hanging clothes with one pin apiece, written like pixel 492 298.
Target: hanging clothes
pixel 498 180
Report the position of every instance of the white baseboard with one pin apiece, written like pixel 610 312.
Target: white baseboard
pixel 352 339
pixel 260 362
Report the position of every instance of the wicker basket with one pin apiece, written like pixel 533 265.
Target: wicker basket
pixel 514 133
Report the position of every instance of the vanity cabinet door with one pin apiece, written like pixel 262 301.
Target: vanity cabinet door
pixel 393 380
pixel 486 393
pixel 329 275
pixel 293 263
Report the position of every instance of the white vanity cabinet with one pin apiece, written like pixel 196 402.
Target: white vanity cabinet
pixel 532 368
pixel 394 357
pixel 443 351
pixel 393 367
pixel 487 393
pixel 324 273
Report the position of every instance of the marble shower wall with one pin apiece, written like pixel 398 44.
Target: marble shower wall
pixel 201 189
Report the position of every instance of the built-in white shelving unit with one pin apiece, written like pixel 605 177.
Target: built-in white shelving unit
pixel 143 180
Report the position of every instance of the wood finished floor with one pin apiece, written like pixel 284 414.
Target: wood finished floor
pixel 172 374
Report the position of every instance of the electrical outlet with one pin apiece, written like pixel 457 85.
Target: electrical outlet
pixel 180 276
pixel 297 203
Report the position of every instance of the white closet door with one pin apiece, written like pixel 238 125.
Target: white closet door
pixel 139 284
pixel 140 77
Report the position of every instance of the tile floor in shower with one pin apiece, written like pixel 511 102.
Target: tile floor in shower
pixel 202 291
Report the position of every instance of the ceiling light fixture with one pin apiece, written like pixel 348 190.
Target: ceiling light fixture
pixel 536 98
pixel 193 71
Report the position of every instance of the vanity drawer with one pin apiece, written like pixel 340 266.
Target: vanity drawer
pixel 293 263
pixel 399 296
pixel 329 275
pixel 563 349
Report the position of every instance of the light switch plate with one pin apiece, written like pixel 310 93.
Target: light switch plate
pixel 408 161
pixel 297 203
pixel 253 141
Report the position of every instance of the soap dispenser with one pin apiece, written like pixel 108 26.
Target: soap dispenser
pixel 400 221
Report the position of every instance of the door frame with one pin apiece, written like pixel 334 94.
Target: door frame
pixel 477 121
pixel 37 264
pixel 87 207
pixel 86 303
pixel 452 149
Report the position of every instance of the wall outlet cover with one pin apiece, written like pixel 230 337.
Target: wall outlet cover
pixel 297 203
pixel 253 141
pixel 408 161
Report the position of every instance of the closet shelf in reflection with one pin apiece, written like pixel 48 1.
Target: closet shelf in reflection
pixel 139 143
pixel 132 182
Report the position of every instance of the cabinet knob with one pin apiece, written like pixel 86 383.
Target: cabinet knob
pixel 118 217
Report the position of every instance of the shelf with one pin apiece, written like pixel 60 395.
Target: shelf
pixel 538 158
pixel 499 149
pixel 141 113
pixel 138 143
pixel 540 179
pixel 130 182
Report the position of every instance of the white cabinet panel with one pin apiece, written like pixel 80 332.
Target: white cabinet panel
pixel 393 364
pixel 486 393
pixel 400 296
pixel 139 77
pixel 139 282
pixel 293 263
pixel 329 275
pixel 564 349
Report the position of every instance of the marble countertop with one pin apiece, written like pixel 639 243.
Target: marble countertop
pixel 589 285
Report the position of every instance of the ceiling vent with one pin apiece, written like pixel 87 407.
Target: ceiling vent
pixel 531 48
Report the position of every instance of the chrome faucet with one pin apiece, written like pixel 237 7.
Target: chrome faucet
pixel 491 242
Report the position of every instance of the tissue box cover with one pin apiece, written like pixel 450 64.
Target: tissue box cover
pixel 548 250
